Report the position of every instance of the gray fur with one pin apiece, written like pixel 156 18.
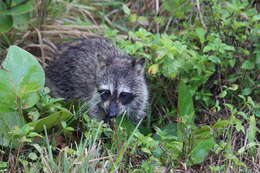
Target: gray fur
pixel 84 67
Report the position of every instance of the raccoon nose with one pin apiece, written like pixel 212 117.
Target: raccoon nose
pixel 113 110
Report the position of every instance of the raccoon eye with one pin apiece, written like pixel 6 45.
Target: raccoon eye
pixel 126 97
pixel 105 94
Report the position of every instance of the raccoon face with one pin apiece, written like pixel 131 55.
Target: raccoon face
pixel 118 87
pixel 115 103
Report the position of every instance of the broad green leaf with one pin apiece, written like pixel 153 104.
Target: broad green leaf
pixel 167 133
pixel 221 124
pixel 257 110
pixel 8 122
pixel 208 48
pixel 246 91
pixel 6 22
pixel 185 104
pixel 20 9
pixel 202 143
pixel 170 129
pixel 50 120
pixel 176 149
pixel 252 129
pixel 232 62
pixel 214 59
pixel 24 71
pixel 3 165
pixel 223 94
pixel 126 10
pixel 33 156
pixel 171 67
pixel 201 34
pixel 248 65
pixel 7 94
pixel 256 18
pixel 21 78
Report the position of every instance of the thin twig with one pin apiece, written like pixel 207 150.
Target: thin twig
pixel 200 15
pixel 168 24
pixel 69 27
pixel 41 43
pixel 157 10
pixel 72 32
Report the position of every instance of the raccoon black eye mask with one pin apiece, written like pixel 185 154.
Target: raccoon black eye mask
pixel 124 97
pixel 91 70
pixel 115 100
pixel 105 94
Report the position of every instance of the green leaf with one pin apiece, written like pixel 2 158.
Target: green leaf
pixel 8 122
pixel 185 104
pixel 3 165
pixel 21 78
pixel 33 156
pixel 202 143
pixel 126 10
pixel 200 32
pixel 24 71
pixel 171 67
pixel 223 94
pixel 50 120
pixel 6 22
pixel 30 99
pixel 176 149
pixel 20 9
pixel 246 91
pixel 214 59
pixel 248 65
pixel 252 129
pixel 7 94
pixel 221 124
pixel 256 18
pixel 238 124
pixel 170 129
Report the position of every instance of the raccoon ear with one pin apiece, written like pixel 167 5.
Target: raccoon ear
pixel 139 65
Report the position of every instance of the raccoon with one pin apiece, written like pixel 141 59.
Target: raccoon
pixel 94 71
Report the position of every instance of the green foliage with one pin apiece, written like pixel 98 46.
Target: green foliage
pixel 22 78
pixel 178 8
pixel 183 141
pixel 15 14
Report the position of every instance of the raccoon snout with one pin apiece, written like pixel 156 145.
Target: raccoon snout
pixel 113 110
